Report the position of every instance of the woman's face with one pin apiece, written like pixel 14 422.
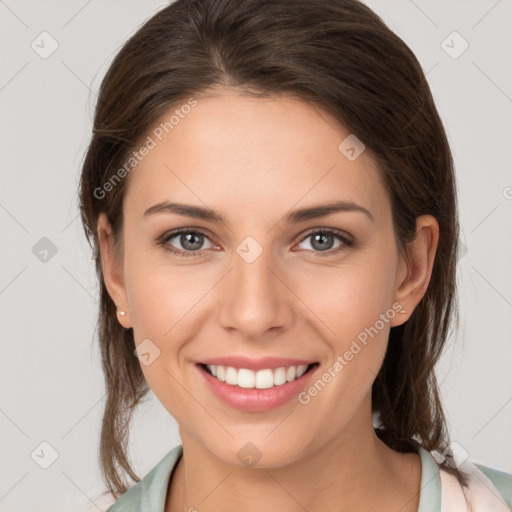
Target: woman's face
pixel 264 282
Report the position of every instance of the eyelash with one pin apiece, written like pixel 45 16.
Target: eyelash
pixel 347 242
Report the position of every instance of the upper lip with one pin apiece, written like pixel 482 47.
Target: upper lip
pixel 255 364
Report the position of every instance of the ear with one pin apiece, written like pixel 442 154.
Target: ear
pixel 112 271
pixel 414 275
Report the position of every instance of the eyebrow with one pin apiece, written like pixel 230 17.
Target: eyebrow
pixel 296 216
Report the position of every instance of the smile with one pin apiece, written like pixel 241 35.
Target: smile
pixel 256 391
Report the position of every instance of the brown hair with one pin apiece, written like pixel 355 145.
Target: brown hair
pixel 337 55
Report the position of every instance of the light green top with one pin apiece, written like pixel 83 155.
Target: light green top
pixel 149 494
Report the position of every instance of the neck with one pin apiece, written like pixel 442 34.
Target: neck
pixel 352 471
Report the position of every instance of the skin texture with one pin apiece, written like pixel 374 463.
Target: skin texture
pixel 253 160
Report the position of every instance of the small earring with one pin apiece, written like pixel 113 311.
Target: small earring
pixel 122 313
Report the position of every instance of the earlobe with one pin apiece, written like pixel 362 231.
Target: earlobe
pixel 421 255
pixel 112 273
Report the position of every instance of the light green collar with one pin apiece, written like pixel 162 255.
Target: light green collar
pixel 430 485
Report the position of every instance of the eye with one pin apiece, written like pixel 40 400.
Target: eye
pixel 190 240
pixel 322 240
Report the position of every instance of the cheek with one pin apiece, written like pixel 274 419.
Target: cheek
pixel 160 295
pixel 161 306
pixel 351 297
pixel 352 307
pixel 164 304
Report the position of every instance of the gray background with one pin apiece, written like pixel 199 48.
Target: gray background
pixel 51 384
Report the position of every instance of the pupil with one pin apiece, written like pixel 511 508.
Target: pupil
pixel 322 236
pixel 188 244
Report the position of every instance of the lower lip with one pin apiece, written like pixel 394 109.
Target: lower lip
pixel 256 400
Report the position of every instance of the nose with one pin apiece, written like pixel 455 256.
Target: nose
pixel 255 299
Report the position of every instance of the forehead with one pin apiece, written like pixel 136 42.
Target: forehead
pixel 240 154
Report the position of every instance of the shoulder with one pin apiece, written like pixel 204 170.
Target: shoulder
pixel 129 501
pixel 149 494
pixel 484 488
pixel 501 480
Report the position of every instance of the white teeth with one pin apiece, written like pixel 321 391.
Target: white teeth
pixel 280 376
pixel 301 370
pixel 261 379
pixel 264 379
pixel 231 376
pixel 245 378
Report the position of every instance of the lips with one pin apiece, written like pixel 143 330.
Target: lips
pixel 256 400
